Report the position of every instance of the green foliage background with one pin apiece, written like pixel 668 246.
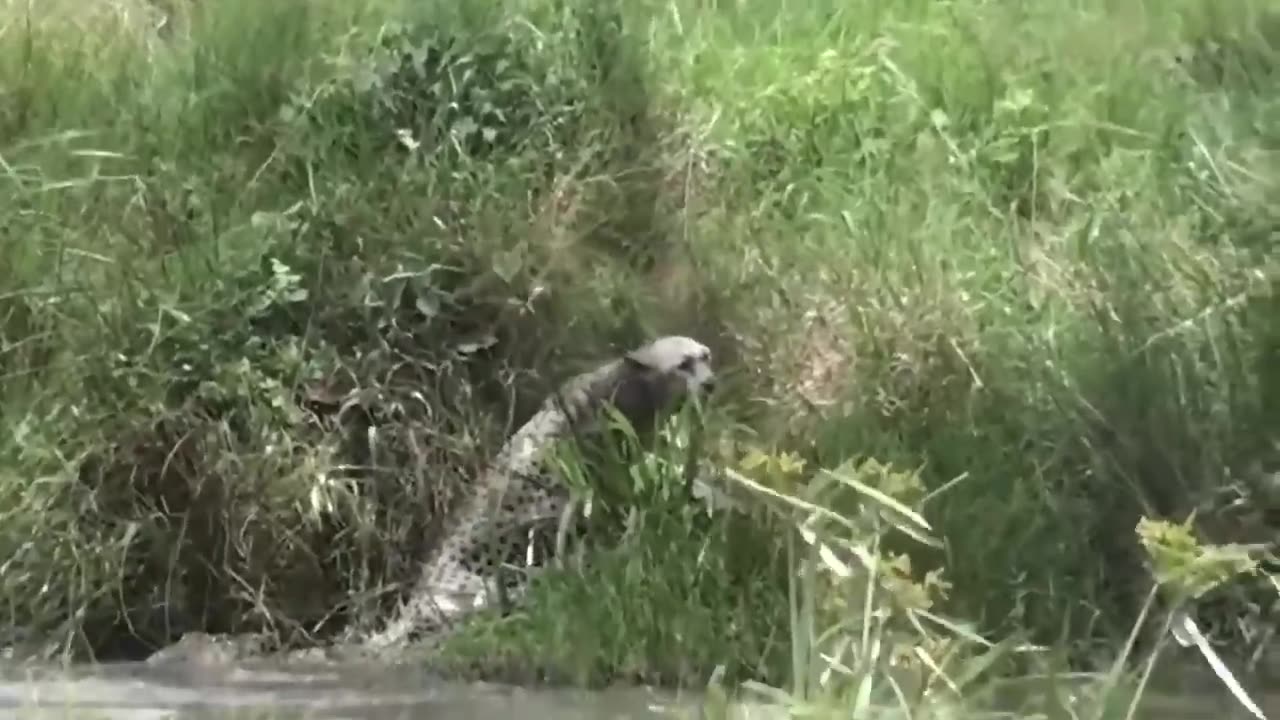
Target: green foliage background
pixel 278 277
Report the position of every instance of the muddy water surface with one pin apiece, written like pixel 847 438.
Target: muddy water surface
pixel 182 690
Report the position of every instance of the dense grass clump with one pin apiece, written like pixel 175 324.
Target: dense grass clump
pixel 279 277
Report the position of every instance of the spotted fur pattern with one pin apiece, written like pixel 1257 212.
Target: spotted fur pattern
pixel 513 502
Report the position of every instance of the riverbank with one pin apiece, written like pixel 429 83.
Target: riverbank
pixel 277 272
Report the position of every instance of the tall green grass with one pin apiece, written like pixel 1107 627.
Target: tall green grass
pixel 275 272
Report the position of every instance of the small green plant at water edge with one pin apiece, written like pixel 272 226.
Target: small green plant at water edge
pixel 864 627
pixel 1184 567
pixel 1185 570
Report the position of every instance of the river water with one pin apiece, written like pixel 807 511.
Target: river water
pixel 269 691
pixel 182 691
